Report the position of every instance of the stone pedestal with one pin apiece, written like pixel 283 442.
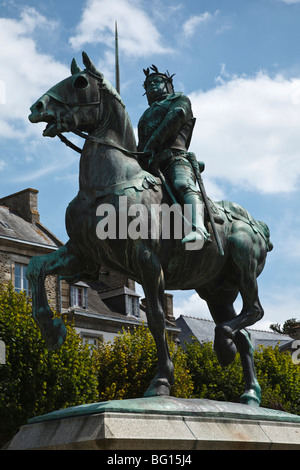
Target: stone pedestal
pixel 160 423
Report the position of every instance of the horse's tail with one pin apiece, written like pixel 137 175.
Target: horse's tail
pixel 266 232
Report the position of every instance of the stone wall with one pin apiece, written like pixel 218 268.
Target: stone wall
pixel 7 269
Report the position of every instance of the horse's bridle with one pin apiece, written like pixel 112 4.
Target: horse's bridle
pixel 72 112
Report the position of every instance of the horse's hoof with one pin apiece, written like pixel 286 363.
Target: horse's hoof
pixel 158 387
pixel 250 399
pixel 252 396
pixel 224 347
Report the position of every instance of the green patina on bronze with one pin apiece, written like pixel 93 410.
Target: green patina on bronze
pixel 165 129
pixel 235 245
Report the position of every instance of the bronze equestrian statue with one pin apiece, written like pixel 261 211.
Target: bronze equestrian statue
pixel 111 167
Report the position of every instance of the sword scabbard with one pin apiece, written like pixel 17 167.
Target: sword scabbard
pixel 198 176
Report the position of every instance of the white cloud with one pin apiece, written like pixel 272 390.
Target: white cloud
pixel 25 72
pixel 191 305
pixel 289 2
pixel 281 304
pixel 140 37
pixel 190 26
pixel 247 132
pixel 32 19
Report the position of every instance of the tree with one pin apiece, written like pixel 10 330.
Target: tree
pixel 287 327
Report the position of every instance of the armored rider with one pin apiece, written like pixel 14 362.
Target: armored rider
pixel 165 131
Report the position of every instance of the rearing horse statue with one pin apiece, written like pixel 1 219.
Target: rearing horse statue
pixel 109 168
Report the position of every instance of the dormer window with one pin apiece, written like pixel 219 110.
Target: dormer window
pixel 123 300
pixel 133 307
pixel 78 295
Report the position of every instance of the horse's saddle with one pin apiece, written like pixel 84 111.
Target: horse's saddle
pixel 143 181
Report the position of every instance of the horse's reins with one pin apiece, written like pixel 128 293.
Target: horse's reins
pixel 99 141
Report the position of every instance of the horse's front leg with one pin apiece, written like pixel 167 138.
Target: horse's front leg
pixel 61 261
pixel 153 285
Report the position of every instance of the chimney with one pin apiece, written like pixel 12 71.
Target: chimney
pixel 25 203
pixel 295 332
pixel 168 307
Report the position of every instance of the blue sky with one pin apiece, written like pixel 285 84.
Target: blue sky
pixel 239 63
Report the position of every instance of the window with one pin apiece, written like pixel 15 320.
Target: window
pixel 133 306
pixel 78 296
pixel 92 341
pixel 21 283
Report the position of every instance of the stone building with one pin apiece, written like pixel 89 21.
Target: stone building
pixel 100 310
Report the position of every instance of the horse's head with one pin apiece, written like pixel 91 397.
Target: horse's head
pixel 74 103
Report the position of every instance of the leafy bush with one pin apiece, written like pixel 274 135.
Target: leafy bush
pixel 209 378
pixel 279 379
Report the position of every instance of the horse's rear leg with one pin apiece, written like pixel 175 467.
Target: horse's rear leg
pixel 61 262
pixel 153 285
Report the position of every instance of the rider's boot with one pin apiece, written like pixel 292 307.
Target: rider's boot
pixel 194 212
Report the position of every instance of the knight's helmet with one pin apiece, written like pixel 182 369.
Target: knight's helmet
pixel 168 79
